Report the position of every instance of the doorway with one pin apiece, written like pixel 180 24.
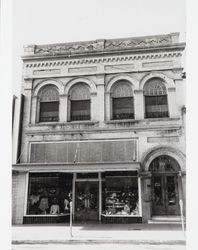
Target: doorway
pixel 164 186
pixel 87 201
pixel 165 194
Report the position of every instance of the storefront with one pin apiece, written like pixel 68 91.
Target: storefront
pixel 110 196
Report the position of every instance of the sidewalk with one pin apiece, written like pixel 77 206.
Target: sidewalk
pixel 98 233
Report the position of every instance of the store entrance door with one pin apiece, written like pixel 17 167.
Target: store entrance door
pixel 165 194
pixel 87 201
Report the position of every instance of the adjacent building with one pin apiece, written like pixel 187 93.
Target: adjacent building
pixel 102 125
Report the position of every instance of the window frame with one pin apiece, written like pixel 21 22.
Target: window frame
pixel 39 101
pixel 148 92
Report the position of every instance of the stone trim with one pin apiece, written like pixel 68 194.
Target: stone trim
pixel 97 60
pixel 165 150
pixel 102 45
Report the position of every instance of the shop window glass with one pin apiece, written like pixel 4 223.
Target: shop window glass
pixel 49 194
pixel 120 196
pixel 48 104
pixel 156 104
pixel 79 100
pixel 122 101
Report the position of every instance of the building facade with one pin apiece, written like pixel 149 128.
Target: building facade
pixel 103 126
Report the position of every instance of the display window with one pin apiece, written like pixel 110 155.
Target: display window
pixel 49 193
pixel 120 195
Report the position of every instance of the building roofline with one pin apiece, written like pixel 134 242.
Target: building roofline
pixel 103 47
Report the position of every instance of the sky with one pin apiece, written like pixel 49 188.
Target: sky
pixel 60 21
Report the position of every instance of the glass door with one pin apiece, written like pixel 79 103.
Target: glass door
pixel 165 194
pixel 87 201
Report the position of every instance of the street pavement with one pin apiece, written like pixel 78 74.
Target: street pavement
pixel 136 234
pixel 99 247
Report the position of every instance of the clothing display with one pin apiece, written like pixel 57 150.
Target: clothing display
pixel 66 204
pixel 55 209
pixel 44 204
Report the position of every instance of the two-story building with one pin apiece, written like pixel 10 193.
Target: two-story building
pixel 103 126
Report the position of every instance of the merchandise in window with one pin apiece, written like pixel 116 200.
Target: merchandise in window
pixel 49 194
pixel 120 196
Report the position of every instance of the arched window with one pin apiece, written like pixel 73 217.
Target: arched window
pixel 164 163
pixel 48 104
pixel 156 104
pixel 79 100
pixel 122 101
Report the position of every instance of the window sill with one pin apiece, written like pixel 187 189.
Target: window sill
pixel 120 215
pixel 120 121
pixel 142 120
pixel 63 123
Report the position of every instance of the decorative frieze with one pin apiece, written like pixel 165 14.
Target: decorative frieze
pixel 168 139
pixel 46 71
pixel 103 45
pixel 96 60
pixel 157 64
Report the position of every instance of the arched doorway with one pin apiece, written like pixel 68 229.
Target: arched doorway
pixel 164 185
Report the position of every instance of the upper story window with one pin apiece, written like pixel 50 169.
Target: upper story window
pixel 122 101
pixel 156 104
pixel 79 102
pixel 48 104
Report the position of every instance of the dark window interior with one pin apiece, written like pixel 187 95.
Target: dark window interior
pixel 49 111
pixel 80 110
pixel 123 108
pixel 156 106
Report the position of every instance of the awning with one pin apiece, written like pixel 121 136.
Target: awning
pixel 76 168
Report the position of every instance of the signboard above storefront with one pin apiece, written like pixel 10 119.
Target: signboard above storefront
pixel 84 151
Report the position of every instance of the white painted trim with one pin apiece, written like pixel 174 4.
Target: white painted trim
pixel 100 195
pixel 140 196
pixel 73 194
pixel 26 194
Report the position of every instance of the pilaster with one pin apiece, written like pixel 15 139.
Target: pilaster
pixel 139 104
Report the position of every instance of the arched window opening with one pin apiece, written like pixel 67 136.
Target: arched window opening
pixel 156 104
pixel 122 101
pixel 79 98
pixel 48 104
pixel 164 163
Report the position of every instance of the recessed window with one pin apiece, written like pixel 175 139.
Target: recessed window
pixel 122 101
pixel 156 104
pixel 79 99
pixel 48 104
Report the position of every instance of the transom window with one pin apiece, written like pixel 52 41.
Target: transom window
pixel 122 101
pixel 164 163
pixel 156 104
pixel 48 104
pixel 79 98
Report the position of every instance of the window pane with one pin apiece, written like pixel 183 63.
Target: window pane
pixel 120 196
pixel 123 108
pixel 80 110
pixel 49 111
pixel 156 106
pixel 49 194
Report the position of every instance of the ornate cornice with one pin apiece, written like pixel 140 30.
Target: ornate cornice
pixel 102 45
pixel 96 60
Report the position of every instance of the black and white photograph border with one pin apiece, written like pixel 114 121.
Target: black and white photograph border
pixel 95 154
